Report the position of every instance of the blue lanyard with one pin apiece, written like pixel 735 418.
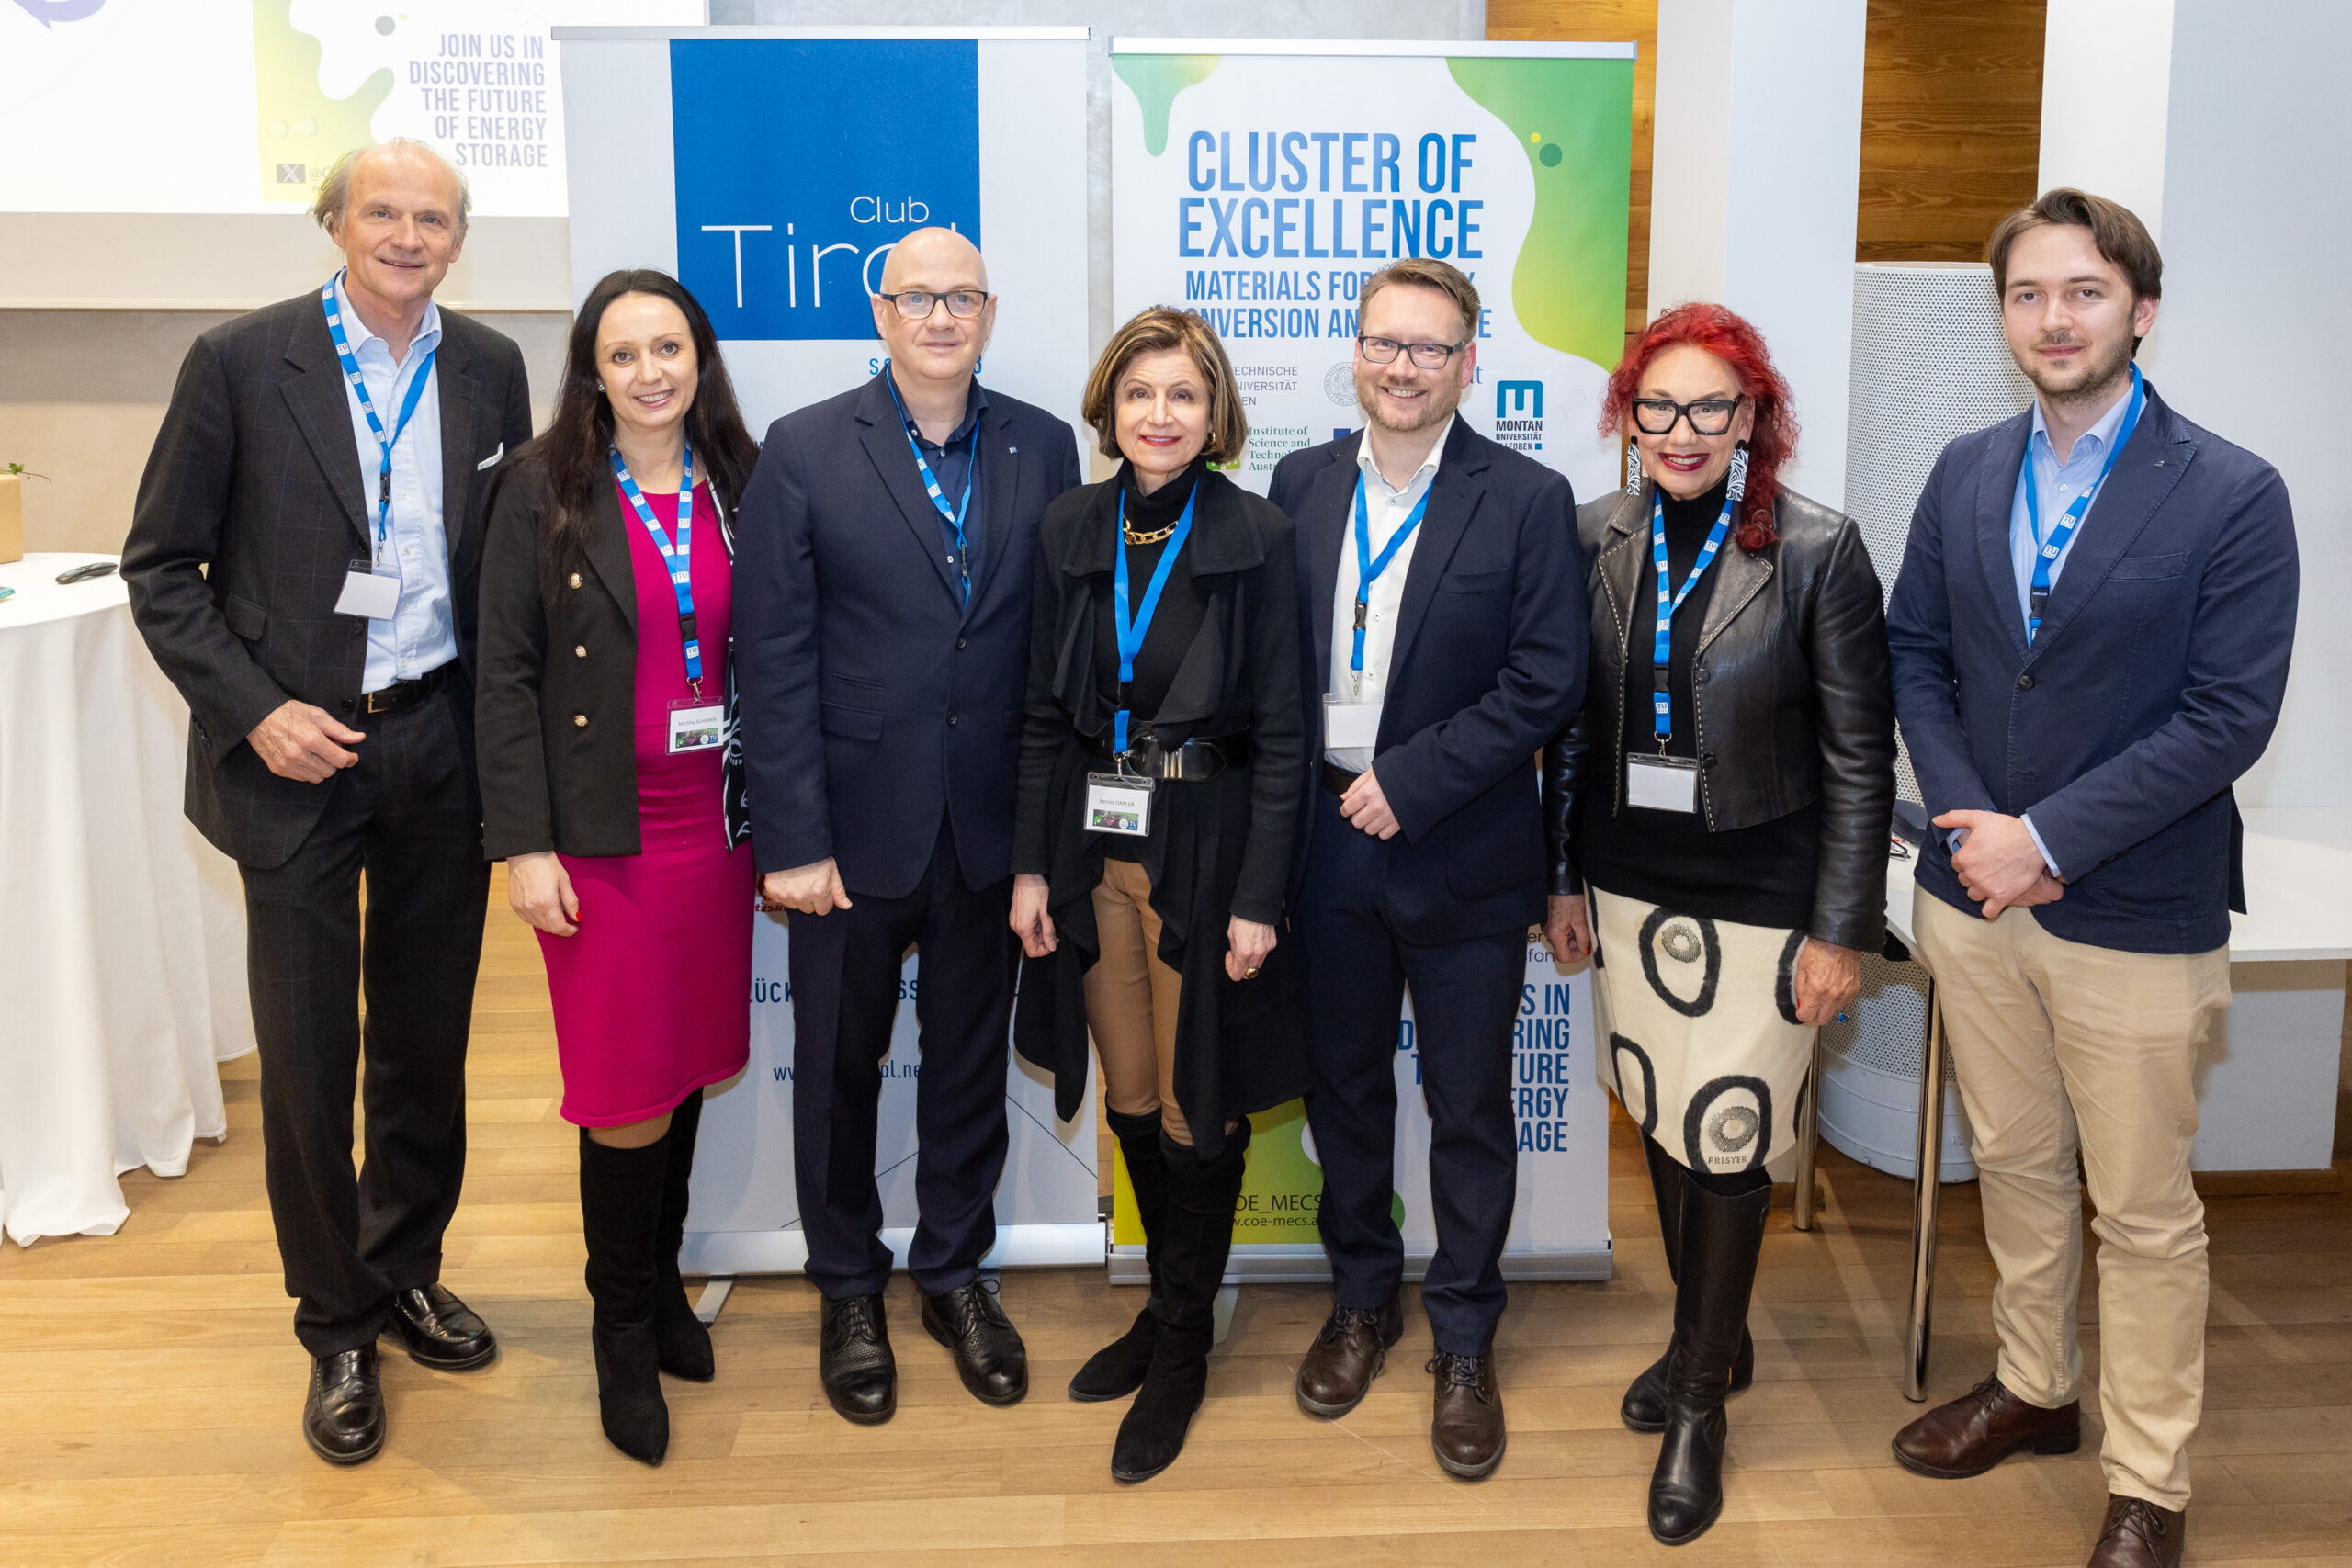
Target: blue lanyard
pixel 1369 567
pixel 679 558
pixel 2047 551
pixel 938 497
pixel 1669 600
pixel 1131 631
pixel 332 303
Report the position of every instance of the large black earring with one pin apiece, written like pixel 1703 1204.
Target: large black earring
pixel 1737 479
pixel 1632 469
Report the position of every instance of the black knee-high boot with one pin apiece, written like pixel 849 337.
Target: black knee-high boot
pixel 684 1339
pixel 1644 1409
pixel 620 1213
pixel 1201 1195
pixel 1722 1239
pixel 1117 1370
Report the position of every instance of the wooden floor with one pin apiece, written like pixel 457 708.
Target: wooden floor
pixel 150 1390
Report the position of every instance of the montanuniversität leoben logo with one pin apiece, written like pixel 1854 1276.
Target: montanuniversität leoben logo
pixel 1518 415
pixel 790 201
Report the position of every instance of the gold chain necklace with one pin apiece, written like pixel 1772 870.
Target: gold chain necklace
pixel 1151 538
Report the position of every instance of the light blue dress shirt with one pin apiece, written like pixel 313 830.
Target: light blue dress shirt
pixel 422 635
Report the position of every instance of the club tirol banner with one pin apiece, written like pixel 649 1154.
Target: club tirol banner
pixel 1259 182
pixel 772 169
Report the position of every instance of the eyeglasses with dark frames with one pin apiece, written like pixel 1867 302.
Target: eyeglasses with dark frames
pixel 1427 356
pixel 1708 416
pixel 917 304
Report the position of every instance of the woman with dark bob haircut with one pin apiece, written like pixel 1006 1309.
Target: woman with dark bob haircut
pixel 1723 800
pixel 1163 762
pixel 610 785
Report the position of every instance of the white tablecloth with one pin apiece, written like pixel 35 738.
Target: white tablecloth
pixel 122 944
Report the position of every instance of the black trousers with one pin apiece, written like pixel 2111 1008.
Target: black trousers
pixel 1465 995
pixel 844 1001
pixel 405 817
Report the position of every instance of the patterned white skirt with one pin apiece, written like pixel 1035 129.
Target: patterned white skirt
pixel 1705 1050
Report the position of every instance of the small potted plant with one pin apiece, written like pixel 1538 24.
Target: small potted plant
pixel 12 509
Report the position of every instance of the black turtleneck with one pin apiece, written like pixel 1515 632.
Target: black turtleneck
pixel 1177 622
pixel 1760 876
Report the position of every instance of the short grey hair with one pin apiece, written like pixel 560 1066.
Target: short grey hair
pixel 334 188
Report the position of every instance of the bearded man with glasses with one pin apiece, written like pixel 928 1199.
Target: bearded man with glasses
pixel 882 584
pixel 1440 578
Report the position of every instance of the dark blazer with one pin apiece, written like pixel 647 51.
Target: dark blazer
pixel 2155 683
pixel 1489 664
pixel 1791 688
pixel 254 476
pixel 1221 846
pixel 873 701
pixel 549 781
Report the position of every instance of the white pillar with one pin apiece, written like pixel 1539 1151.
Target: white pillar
pixel 2105 88
pixel 1757 172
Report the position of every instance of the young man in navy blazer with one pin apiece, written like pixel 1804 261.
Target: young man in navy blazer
pixel 882 644
pixel 2090 638
pixel 1424 863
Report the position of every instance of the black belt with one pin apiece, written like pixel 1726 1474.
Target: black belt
pixel 405 693
pixel 1191 762
pixel 1336 779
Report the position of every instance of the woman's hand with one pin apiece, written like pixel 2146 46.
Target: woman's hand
pixel 1567 926
pixel 1030 921
pixel 539 889
pixel 1247 943
pixel 1829 978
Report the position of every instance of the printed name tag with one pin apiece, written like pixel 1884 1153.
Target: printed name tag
pixel 695 726
pixel 1662 784
pixel 370 594
pixel 1118 803
pixel 1349 725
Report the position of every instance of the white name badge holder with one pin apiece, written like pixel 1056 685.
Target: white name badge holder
pixel 1662 784
pixel 695 725
pixel 1119 802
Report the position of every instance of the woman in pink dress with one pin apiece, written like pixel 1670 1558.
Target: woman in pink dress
pixel 610 783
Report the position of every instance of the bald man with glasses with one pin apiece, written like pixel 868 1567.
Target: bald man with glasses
pixel 882 641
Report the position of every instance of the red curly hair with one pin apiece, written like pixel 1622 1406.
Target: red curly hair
pixel 1733 339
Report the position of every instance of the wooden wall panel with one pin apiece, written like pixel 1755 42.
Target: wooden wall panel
pixel 1951 125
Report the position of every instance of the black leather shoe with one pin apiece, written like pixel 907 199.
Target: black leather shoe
pixel 854 1360
pixel 440 1331
pixel 990 1356
pixel 343 1419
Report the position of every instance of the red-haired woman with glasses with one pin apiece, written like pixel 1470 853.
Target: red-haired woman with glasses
pixel 1722 803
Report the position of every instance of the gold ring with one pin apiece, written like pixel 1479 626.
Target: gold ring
pixel 1249 973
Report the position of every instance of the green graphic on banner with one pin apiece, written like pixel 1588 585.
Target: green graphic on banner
pixel 302 130
pixel 1574 121
pixel 1281 1190
pixel 1155 79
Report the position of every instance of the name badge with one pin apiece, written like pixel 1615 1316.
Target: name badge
pixel 1349 725
pixel 1118 803
pixel 1662 784
pixel 369 594
pixel 695 726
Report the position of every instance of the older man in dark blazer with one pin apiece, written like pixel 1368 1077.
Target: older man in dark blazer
pixel 1437 672
pixel 2090 638
pixel 882 584
pixel 303 561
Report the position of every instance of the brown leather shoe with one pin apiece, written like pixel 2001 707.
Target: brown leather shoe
pixel 1980 1428
pixel 2138 1534
pixel 1466 1428
pixel 1349 1351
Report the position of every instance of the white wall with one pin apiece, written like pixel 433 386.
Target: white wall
pixel 1757 173
pixel 2105 83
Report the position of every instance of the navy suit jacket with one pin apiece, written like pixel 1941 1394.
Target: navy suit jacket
pixel 1489 664
pixel 2155 682
pixel 872 700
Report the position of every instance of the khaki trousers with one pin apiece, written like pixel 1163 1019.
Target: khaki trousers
pixel 2060 1046
pixel 1131 1001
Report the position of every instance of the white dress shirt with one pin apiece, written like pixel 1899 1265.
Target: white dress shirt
pixel 1386 509
pixel 422 634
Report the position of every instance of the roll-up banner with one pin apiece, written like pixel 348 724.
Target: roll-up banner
pixel 1258 184
pixel 772 169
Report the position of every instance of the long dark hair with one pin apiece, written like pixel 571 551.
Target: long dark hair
pixel 573 448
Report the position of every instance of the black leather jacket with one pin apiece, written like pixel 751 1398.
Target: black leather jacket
pixel 1794 703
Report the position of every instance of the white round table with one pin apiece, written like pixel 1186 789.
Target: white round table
pixel 122 945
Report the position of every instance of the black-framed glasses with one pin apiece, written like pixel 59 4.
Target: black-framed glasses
pixel 1708 416
pixel 917 304
pixel 1427 355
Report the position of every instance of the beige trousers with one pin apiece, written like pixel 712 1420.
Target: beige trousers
pixel 2059 1046
pixel 1131 1001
